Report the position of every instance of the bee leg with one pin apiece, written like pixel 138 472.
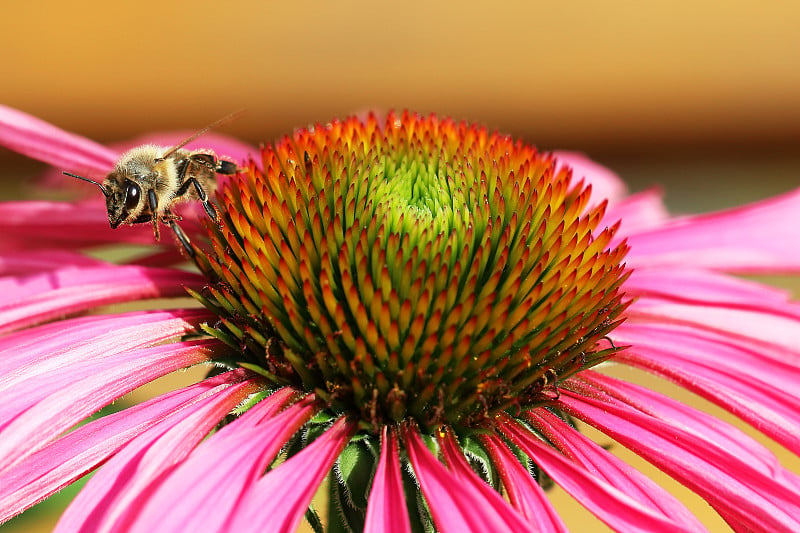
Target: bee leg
pixel 187 244
pixel 226 167
pixel 207 205
pixel 211 162
pixel 153 200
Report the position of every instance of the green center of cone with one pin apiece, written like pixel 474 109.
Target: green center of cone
pixel 413 270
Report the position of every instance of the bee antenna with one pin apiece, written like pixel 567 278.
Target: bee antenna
pixel 105 191
pixel 215 124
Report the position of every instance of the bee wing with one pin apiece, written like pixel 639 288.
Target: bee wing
pixel 203 131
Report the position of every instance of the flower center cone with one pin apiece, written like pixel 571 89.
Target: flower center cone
pixel 413 269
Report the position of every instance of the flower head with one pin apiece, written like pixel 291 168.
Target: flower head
pixel 414 307
pixel 416 269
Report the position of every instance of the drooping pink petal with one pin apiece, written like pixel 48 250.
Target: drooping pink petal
pixel 31 261
pixel 635 213
pixel 748 380
pixel 45 372
pixel 65 460
pixel 708 427
pixel 386 511
pixel 611 505
pixel 40 140
pixel 48 225
pixel 693 285
pixel 234 458
pixel 524 493
pixel 14 263
pixel 729 477
pixel 109 499
pixel 773 324
pixel 267 408
pixel 749 239
pixel 278 501
pixel 606 185
pixel 613 470
pixel 455 504
pixel 75 397
pixel 34 352
pixel 33 299
pixel 491 499
pixel 715 302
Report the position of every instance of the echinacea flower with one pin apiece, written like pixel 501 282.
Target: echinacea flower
pixel 416 309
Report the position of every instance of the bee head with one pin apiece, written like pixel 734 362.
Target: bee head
pixel 124 201
pixel 136 172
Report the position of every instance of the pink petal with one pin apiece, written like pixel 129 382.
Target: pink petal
pixel 46 225
pixel 14 263
pixel 730 479
pixel 456 504
pixel 40 297
pixel 108 500
pixel 614 471
pixel 750 239
pixel 606 185
pixel 386 511
pixel 686 284
pixel 278 501
pixel 63 461
pixel 49 366
pixel 708 427
pixel 759 387
pixel 78 396
pixel 37 139
pixel 34 352
pixel 267 409
pixel 611 505
pixel 492 499
pixel 180 502
pixel 636 213
pixel 524 493
pixel 773 324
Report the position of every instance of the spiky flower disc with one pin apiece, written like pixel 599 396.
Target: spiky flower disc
pixel 417 269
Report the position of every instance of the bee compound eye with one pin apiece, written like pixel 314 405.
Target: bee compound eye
pixel 132 196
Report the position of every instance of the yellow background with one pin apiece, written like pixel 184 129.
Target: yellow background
pixel 703 97
pixel 562 73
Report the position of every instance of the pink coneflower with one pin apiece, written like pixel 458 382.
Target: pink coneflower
pixel 417 309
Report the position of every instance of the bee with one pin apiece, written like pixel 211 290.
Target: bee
pixel 148 180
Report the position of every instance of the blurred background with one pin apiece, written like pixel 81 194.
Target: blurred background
pixel 688 94
pixel 700 98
